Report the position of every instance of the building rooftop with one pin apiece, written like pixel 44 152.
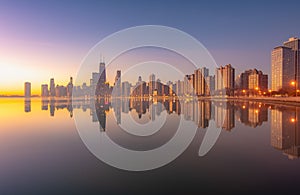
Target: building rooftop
pixel 279 47
pixel 291 39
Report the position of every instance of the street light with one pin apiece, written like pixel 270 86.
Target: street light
pixel 294 83
pixel 257 90
pixel 293 120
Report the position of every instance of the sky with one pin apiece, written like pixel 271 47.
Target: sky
pixel 40 40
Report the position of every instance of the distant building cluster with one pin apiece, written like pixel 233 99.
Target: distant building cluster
pixel 58 90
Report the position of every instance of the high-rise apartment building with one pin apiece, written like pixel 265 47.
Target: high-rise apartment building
pixel 224 79
pixel 282 68
pixel 294 44
pixel 200 83
pixel 285 65
pixel 255 80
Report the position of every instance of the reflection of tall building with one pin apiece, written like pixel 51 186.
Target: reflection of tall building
pixel 139 105
pixel 285 130
pixel 117 105
pixel 152 110
pixel 100 112
pixel 27 105
pixel 252 113
pixel 224 115
pixel 44 104
pixel 188 109
pixel 202 109
pixel 27 89
pixel 257 116
pixel 52 107
pixel 125 105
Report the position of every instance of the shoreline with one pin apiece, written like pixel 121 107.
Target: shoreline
pixel 239 98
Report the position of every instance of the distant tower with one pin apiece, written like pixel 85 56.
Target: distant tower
pixel 140 79
pixel 102 71
pixel 70 87
pixel 52 87
pixel 151 84
pixel 102 87
pixel 27 90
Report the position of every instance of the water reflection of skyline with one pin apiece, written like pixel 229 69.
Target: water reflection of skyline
pixel 284 120
pixel 285 133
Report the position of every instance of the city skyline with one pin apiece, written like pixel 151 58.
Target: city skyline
pixel 30 52
pixel 110 80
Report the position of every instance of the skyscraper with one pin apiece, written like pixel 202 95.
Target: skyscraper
pixel 282 68
pixel 70 88
pixel 152 86
pixel 159 87
pixel 27 89
pixel 126 89
pixel 210 80
pixel 285 65
pixel 102 72
pixel 52 87
pixel 200 83
pixel 100 83
pixel 244 80
pixel 294 44
pixel 44 90
pixel 189 82
pixel 225 80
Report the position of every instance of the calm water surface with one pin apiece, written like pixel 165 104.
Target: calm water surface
pixel 41 151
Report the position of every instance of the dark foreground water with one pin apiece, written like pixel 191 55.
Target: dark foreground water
pixel 41 151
